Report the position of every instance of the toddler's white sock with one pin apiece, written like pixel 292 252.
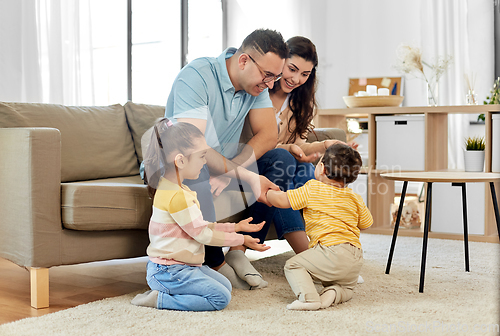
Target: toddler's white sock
pixel 298 305
pixel 327 298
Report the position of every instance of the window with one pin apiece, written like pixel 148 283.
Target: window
pixel 156 45
pixel 204 39
pixel 156 49
pixel 109 43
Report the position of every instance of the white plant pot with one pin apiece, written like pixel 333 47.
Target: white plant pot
pixel 474 160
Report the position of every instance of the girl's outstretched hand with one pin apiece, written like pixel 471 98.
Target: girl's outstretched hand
pixel 253 243
pixel 245 226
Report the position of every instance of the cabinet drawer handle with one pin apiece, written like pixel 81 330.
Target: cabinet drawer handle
pixel 400 122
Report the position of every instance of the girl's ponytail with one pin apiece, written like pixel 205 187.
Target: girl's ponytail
pixel 161 140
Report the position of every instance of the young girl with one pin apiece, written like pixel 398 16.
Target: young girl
pixel 333 215
pixel 177 231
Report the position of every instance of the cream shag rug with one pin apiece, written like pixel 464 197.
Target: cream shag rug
pixel 454 302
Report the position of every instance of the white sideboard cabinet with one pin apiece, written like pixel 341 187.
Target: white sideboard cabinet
pixel 380 193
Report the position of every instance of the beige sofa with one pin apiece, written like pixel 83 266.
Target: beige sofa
pixel 70 190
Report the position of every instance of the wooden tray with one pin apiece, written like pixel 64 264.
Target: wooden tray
pixel 373 101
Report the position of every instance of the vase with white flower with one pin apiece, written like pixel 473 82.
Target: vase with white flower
pixel 410 62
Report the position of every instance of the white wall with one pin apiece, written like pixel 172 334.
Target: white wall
pixel 355 38
pixel 289 17
pixel 360 39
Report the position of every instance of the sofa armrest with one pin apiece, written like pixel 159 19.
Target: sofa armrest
pixel 320 134
pixel 30 188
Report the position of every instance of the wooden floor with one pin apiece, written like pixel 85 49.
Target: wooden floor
pixel 70 286
pixel 74 285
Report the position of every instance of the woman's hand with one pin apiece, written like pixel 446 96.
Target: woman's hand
pixel 353 144
pixel 253 243
pixel 329 143
pixel 245 226
pixel 299 154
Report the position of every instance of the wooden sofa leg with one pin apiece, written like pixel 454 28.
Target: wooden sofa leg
pixel 39 280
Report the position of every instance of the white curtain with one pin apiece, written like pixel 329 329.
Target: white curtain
pixel 20 73
pixel 465 30
pixel 46 51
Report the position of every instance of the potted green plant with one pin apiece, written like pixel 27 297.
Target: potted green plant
pixel 474 154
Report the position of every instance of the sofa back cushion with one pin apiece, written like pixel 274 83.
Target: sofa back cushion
pixel 95 140
pixel 140 118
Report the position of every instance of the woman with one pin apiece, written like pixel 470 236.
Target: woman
pixel 289 164
pixel 294 101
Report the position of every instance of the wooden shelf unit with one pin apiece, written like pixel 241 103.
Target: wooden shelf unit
pixel 436 158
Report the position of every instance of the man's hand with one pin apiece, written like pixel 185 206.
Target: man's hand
pixel 245 226
pixel 218 184
pixel 260 186
pixel 253 243
pixel 299 154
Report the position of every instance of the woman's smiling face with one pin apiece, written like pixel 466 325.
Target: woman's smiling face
pixel 295 73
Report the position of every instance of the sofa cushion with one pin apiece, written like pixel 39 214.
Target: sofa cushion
pixel 106 204
pixel 140 118
pixel 9 117
pixel 96 142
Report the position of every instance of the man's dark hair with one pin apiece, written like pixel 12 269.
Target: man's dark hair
pixel 342 163
pixel 264 41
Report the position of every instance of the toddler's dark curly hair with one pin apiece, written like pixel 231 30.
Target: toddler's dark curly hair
pixel 342 163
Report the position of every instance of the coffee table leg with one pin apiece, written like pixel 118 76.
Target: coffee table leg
pixel 426 235
pixel 396 227
pixel 495 205
pixel 466 233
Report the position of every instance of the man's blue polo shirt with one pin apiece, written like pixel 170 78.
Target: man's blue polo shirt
pixel 203 90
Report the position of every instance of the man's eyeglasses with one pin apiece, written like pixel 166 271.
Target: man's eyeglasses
pixel 267 77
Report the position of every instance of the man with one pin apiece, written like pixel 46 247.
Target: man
pixel 216 94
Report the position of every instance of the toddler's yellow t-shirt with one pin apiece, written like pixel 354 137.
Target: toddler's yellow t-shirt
pixel 332 215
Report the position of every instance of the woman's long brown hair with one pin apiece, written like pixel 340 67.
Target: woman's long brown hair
pixel 302 100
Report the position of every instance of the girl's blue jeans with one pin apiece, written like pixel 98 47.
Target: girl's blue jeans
pixel 189 288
